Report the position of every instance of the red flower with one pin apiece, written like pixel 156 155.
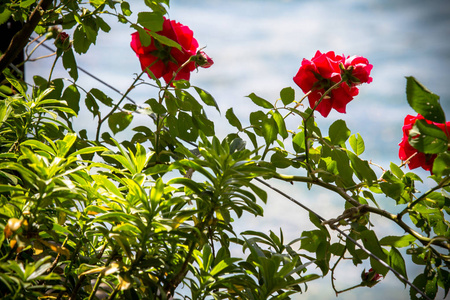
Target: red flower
pixel 325 70
pixel 164 61
pixel 407 152
pixel 358 69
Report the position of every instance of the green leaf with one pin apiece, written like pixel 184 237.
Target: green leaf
pixel 151 20
pixel 427 138
pixel 164 40
pixel 125 6
pixel 362 168
pixel 441 165
pixel 81 39
pixel 287 95
pixel 70 63
pixel 396 261
pixel 423 101
pixel 269 130
pixel 260 101
pixel 372 244
pixel 397 241
pixel 72 96
pixel 357 144
pixel 186 128
pixel 26 3
pixel 119 121
pixel 280 124
pixel 101 97
pixel 298 142
pixel 338 132
pixel 207 98
pixel 232 119
pixel 156 107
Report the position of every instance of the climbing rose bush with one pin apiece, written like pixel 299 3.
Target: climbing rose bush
pixel 327 69
pixel 414 158
pixel 164 61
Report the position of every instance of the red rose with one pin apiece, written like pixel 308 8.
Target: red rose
pixel 164 61
pixel 407 152
pixel 359 69
pixel 318 75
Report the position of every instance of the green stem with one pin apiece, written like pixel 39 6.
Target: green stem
pixel 51 70
pixel 97 284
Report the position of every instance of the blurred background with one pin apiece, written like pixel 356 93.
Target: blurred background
pixel 258 46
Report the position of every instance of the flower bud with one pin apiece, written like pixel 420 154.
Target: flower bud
pixel 203 60
pixel 62 41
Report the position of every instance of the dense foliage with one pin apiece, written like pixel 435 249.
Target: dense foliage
pixel 94 217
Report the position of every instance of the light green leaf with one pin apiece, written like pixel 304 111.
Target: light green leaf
pixel 357 144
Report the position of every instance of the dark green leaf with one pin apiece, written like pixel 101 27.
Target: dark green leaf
pixel 362 169
pixel 70 64
pixel 260 101
pixel 397 262
pixel 101 97
pixel 280 124
pixel 72 96
pixel 156 107
pixel 287 95
pixel 372 244
pixel 119 121
pixel 427 138
pixel 423 101
pixel 441 165
pixel 207 98
pixel 151 20
pixel 338 132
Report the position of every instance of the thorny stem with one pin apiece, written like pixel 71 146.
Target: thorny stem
pixel 315 181
pixel 340 191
